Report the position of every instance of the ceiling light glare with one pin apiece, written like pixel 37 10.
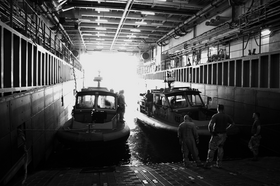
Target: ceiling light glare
pixel 265 32
pixel 127 40
pixel 140 23
pixel 147 13
pixel 99 47
pixel 100 28
pixel 102 10
pixel 99 39
pixel 130 36
pixel 144 37
pixel 101 20
pixel 135 30
pixel 100 35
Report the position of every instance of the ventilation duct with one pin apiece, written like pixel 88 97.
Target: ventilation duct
pixel 145 56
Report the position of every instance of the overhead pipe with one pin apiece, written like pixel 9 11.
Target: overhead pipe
pixel 55 20
pixel 217 21
pixel 128 4
pixel 193 18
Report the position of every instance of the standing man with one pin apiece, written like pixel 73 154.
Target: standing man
pixel 254 142
pixel 149 102
pixel 188 137
pixel 218 126
pixel 122 104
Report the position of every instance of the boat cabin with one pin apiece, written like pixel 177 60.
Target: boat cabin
pixel 171 104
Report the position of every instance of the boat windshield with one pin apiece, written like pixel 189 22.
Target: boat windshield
pixel 195 100
pixel 178 101
pixel 85 101
pixel 106 102
pixel 182 100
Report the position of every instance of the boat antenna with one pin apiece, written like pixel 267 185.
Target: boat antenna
pixel 98 79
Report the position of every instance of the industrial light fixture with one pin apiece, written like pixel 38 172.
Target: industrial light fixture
pixel 102 10
pixel 85 34
pixel 147 13
pixel 100 39
pixel 265 32
pixel 85 20
pixel 100 28
pixel 131 36
pixel 98 34
pixel 127 40
pixel 135 30
pixel 67 9
pixel 140 23
pixel 144 37
pixel 101 20
pixel 99 47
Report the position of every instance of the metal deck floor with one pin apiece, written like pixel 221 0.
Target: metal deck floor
pixel 153 174
pixel 264 172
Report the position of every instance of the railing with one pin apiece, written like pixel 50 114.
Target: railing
pixel 241 38
pixel 257 71
pixel 24 18
pixel 32 55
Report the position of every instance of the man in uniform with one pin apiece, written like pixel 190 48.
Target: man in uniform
pixel 149 102
pixel 254 142
pixel 188 137
pixel 122 104
pixel 218 126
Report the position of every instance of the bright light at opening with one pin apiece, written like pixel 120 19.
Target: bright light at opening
pixel 119 72
pixel 265 32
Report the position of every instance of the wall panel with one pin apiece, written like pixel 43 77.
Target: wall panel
pixel 5 154
pixel 20 110
pixel 5 119
pixel 38 101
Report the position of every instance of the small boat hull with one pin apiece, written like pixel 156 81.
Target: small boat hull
pixel 161 125
pixel 70 136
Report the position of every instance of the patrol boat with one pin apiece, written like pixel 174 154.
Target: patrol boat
pixel 94 118
pixel 171 104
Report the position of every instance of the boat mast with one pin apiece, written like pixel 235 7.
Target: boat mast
pixel 98 79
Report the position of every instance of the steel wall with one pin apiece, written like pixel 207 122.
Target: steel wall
pixel 39 113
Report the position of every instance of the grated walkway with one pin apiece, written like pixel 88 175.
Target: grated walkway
pixel 264 172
